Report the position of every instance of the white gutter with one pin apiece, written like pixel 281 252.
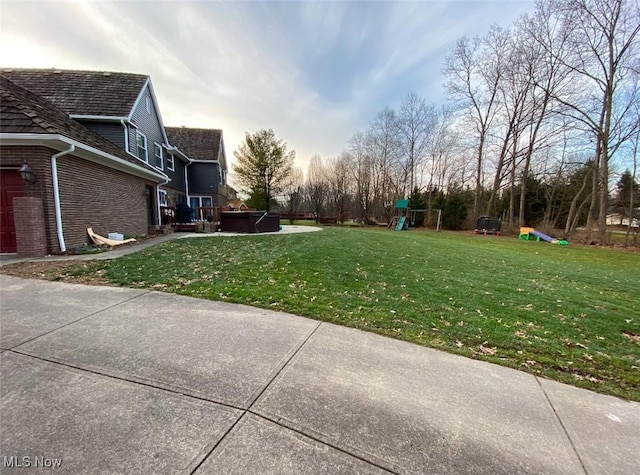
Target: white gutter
pixel 56 194
pixel 195 160
pixel 97 117
pixel 179 152
pixel 83 151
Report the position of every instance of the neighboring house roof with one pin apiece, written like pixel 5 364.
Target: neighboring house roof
pixel 238 205
pixel 23 113
pixel 86 93
pixel 197 144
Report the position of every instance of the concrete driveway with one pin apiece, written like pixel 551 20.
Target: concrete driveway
pixel 111 380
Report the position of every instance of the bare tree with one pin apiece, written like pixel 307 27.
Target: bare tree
pixel 602 41
pixel 442 149
pixel 317 187
pixel 514 88
pixel 293 193
pixel 415 123
pixel 545 76
pixel 383 145
pixel 635 151
pixel 473 77
pixel 337 175
pixel 360 167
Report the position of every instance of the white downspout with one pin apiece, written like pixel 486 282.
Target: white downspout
pixel 166 180
pixel 56 194
pixel 126 136
pixel 186 183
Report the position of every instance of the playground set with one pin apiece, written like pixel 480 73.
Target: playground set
pixel 532 234
pixel 484 225
pixel 401 212
pixel 404 216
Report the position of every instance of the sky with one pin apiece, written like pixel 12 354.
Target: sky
pixel 315 72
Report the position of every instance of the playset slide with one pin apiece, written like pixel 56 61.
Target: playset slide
pixel 542 236
pixel 525 233
pixel 401 223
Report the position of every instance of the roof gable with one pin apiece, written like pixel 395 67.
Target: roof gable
pixel 197 144
pixel 148 120
pixel 86 93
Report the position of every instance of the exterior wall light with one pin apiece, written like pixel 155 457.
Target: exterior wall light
pixel 27 174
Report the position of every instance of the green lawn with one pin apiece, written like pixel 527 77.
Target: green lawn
pixel 569 313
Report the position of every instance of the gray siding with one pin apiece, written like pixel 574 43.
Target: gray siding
pixel 148 123
pixel 177 176
pixel 203 178
pixel 114 133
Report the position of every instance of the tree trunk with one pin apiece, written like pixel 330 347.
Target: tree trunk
pixel 569 227
pixel 476 198
pixel 523 189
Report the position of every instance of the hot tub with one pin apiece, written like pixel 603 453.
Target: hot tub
pixel 249 221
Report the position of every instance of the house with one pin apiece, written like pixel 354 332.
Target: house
pixel 207 167
pixel 122 107
pixel 80 180
pixel 617 219
pixel 237 205
pixel 122 110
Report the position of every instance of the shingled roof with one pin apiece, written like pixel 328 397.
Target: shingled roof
pixel 93 93
pixel 197 144
pixel 23 112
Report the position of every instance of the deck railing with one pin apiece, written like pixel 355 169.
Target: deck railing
pixel 208 213
pixel 169 215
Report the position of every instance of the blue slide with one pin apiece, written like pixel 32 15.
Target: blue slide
pixel 401 223
pixel 542 236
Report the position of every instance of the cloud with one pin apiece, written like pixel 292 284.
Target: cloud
pixel 315 72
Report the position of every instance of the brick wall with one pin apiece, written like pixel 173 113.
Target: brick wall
pixel 91 195
pixel 104 199
pixel 39 160
pixel 31 238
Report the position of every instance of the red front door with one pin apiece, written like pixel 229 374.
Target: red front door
pixel 10 187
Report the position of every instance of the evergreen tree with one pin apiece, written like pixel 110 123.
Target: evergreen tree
pixel 262 167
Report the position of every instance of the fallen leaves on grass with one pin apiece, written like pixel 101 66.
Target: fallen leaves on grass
pixel 486 350
pixel 588 377
pixel 55 270
pixel 634 338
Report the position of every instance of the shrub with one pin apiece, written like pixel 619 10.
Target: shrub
pixel 454 212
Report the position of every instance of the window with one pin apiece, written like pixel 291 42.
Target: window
pixel 170 163
pixel 199 202
pixel 141 143
pixel 157 156
pixel 220 176
pixel 162 197
pixel 194 203
pixel 147 102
